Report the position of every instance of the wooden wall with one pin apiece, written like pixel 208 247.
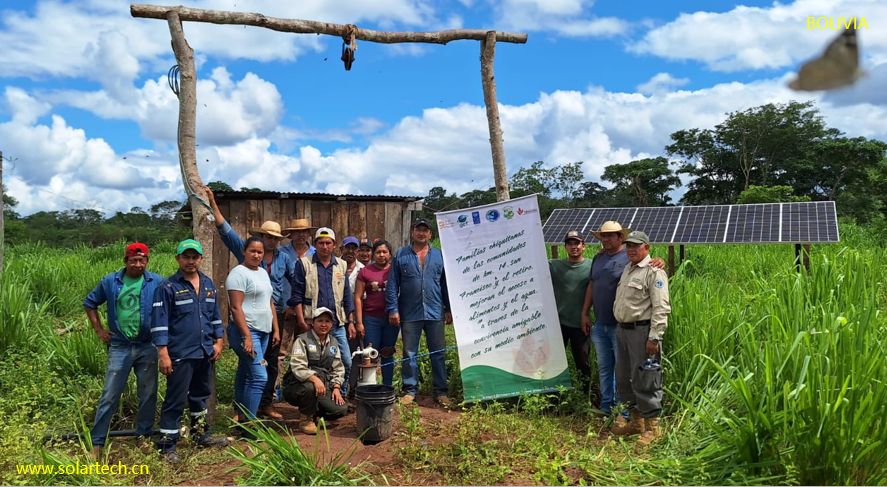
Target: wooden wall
pixel 361 219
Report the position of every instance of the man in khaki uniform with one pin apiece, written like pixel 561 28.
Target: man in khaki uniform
pixel 641 308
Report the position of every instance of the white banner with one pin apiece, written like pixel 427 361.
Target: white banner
pixel 502 301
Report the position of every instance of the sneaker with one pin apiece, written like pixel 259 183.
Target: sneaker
pixel 407 399
pixel 443 401
pixel 268 413
pixel 212 442
pixel 172 457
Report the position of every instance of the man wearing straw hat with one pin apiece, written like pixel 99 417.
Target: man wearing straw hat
pixel 281 269
pixel 642 306
pixel 606 270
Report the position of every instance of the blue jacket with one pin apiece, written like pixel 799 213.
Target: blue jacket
pixel 414 293
pixel 282 267
pixel 107 291
pixel 185 321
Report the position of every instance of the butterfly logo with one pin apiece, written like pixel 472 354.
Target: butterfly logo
pixel 837 67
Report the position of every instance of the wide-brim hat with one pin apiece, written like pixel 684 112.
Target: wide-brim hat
pixel 267 228
pixel 299 224
pixel 609 227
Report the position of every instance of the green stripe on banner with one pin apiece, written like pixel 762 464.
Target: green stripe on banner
pixel 482 382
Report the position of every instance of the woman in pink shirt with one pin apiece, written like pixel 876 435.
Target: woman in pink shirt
pixel 369 311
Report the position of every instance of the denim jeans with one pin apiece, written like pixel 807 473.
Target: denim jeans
pixel 251 376
pixel 382 334
pixel 604 337
pixel 435 339
pixel 141 358
pixel 341 334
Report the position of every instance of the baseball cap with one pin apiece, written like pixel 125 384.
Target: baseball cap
pixel 189 244
pixel 637 237
pixel 325 232
pixel 365 243
pixel 350 241
pixel 321 310
pixel 421 221
pixel 136 249
pixel 574 235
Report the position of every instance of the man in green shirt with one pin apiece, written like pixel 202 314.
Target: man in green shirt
pixel 569 278
pixel 129 294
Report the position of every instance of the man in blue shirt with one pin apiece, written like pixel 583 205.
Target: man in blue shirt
pixel 322 282
pixel 186 327
pixel 417 301
pixel 129 293
pixel 281 269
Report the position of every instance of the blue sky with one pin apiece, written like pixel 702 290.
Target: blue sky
pixel 87 116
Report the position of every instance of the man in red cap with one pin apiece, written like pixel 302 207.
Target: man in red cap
pixel 129 293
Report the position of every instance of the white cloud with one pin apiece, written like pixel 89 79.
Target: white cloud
pixel 661 83
pixel 763 38
pixel 570 18
pixel 78 39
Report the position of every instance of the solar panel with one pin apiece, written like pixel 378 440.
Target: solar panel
pixel 657 222
pixel 562 221
pixel 601 215
pixel 804 222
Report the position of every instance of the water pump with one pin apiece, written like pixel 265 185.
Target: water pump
pixel 370 361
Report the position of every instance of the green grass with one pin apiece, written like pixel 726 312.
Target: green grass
pixel 772 376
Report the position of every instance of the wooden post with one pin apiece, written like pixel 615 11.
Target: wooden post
pixel 681 259
pixel 670 260
pixel 187 141
pixel 806 256
pixel 487 54
pixel 554 251
pixel 798 256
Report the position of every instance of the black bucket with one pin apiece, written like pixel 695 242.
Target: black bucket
pixel 375 412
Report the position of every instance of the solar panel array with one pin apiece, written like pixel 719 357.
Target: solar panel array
pixel 807 222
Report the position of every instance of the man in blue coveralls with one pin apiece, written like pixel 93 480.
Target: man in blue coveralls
pixel 186 327
pixel 129 293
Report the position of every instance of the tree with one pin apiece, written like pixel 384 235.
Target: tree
pixel 220 187
pixel 9 204
pixel 478 197
pixel 534 179
pixel 645 182
pixel 438 200
pixel 760 146
pixel 769 194
pixel 593 195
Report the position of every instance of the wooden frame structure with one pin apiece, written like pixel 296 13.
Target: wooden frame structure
pixel 202 227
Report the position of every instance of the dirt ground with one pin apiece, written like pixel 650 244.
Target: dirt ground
pixel 375 459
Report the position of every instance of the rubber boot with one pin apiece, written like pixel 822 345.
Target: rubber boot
pixel 635 426
pixel 307 426
pixel 651 431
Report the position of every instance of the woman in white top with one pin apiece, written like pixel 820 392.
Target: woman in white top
pixel 252 326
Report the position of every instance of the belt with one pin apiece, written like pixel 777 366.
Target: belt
pixel 631 326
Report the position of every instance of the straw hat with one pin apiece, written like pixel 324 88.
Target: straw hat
pixel 299 224
pixel 267 228
pixel 611 227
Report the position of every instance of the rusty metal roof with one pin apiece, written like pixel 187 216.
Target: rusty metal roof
pixel 267 195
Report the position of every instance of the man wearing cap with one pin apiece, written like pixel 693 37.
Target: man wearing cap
pixel 606 270
pixel 569 279
pixel 365 252
pixel 350 247
pixel 281 270
pixel 641 308
pixel 314 380
pixel 416 299
pixel 186 327
pixel 129 293
pixel 321 281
